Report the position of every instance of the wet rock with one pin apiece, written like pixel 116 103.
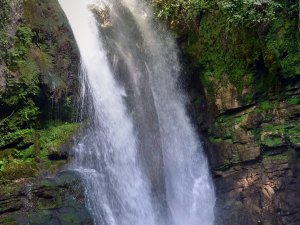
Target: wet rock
pixel 58 200
pixel 249 152
pixel 254 155
pixel 266 191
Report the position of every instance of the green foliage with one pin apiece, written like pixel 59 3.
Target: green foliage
pixel 27 154
pixel 17 169
pixel 29 69
pixel 276 128
pixel 294 100
pixel 230 120
pixel 23 42
pixel 295 140
pixel 57 135
pixel 283 44
pixel 280 157
pixel 248 98
pixel 21 118
pixel 180 12
pixel 1 165
pixel 40 53
pixel 294 129
pixel 278 133
pixel 20 137
pixel 224 56
pixel 25 34
pixel 266 105
pixel 249 12
pixel 215 140
pixel 249 43
pixel 40 142
pixel 272 142
pixel 18 108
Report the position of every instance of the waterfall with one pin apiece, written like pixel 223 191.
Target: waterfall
pixel 139 157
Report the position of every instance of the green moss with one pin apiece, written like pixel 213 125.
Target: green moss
pixel 283 40
pixel 215 140
pixel 32 70
pixel 20 137
pixel 17 169
pixel 229 141
pixel 41 53
pixel 235 41
pixel 224 127
pixel 279 157
pixel 276 128
pixel 57 134
pixel 289 131
pixel 218 59
pixel 239 119
pixel 4 13
pixel 294 100
pixel 266 105
pixel 294 129
pixel 248 98
pixel 52 139
pixel 272 142
pixel 22 163
pixel 295 140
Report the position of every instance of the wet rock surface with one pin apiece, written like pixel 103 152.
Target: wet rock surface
pixel 58 200
pixel 255 161
pixel 266 192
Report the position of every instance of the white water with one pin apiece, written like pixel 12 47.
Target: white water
pixel 140 158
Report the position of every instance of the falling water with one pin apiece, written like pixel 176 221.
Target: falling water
pixel 140 158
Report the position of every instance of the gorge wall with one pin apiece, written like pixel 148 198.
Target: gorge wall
pixel 242 70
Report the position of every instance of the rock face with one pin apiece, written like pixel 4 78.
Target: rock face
pixel 266 192
pixel 244 90
pixel 56 201
pixel 254 153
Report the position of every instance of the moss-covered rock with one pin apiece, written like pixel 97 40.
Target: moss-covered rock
pixel 57 200
pixel 37 152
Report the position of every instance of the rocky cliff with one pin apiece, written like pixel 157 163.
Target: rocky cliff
pixel 254 153
pixel 241 66
pixel 242 70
